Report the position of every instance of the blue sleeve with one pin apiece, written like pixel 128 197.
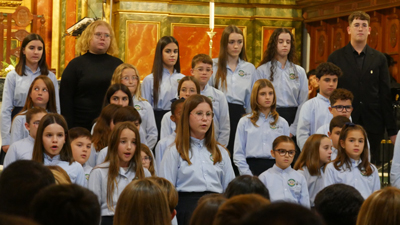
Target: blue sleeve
pixel 147 89
pixel 377 182
pixel 166 129
pixel 151 127
pixel 169 165
pixel 304 125
pixel 11 156
pixel 305 197
pixel 94 184
pixel 93 157
pixel 239 149
pixel 329 175
pixel 224 121
pixel 6 107
pixel 229 175
pixel 55 83
pixel 301 99
pixel 18 129
pixel 395 170
pixel 80 177
pixel 101 156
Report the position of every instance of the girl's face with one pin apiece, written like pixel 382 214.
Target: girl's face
pixel 100 41
pixel 40 94
pixel 53 139
pixel 33 52
pixel 126 147
pixel 283 46
pixel 200 119
pixel 120 98
pixel 354 144
pixel 130 79
pixel 170 55
pixel 145 160
pixel 188 88
pixel 235 45
pixel 283 154
pixel 325 151
pixel 34 123
pixel 265 97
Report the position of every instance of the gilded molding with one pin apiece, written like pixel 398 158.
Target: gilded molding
pixel 10 3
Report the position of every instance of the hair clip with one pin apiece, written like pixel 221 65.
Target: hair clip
pixel 349 125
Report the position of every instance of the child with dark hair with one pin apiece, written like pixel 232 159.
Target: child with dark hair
pixel 66 204
pixel 19 183
pixel 23 148
pixel 246 184
pixel 206 209
pixel 315 112
pixel 81 141
pixel 335 127
pixel 338 204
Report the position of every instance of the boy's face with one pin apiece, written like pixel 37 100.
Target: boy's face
pixel 341 108
pixel 334 136
pixel 81 149
pixel 202 72
pixel 176 117
pixel 327 84
pixel 34 123
pixel 284 161
pixel 359 30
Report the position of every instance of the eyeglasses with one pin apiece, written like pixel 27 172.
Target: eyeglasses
pixel 146 158
pixel 282 152
pixel 100 35
pixel 201 69
pixel 340 108
pixel 127 78
pixel 200 115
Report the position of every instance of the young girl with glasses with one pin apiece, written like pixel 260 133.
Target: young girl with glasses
pixel 283 182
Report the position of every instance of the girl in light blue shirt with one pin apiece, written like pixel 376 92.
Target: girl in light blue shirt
pixel 196 164
pixel 160 86
pixel 32 63
pixel 52 147
pixel 41 94
pixel 315 155
pixel 256 131
pixel 351 165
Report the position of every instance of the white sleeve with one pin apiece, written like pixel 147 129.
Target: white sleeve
pixel 304 125
pixel 17 129
pixel 169 165
pixel 239 149
pixel 224 122
pixel 6 108
pixel 151 128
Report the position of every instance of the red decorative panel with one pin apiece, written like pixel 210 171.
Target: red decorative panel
pixel 45 7
pixel 140 45
pixel 266 34
pixel 69 40
pixel 193 40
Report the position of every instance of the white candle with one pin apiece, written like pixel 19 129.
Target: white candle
pixel 211 15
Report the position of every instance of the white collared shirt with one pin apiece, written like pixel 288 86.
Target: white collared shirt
pixel 19 150
pixel 148 125
pixel 74 170
pixel 161 147
pixel 314 183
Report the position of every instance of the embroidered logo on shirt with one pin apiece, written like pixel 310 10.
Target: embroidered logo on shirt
pixel 138 108
pixel 243 74
pixel 292 76
pixel 211 158
pixel 364 173
pixel 87 176
pixel 211 98
pixel 273 127
pixel 291 182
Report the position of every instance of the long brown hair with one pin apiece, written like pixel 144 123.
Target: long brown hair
pixel 38 148
pixel 183 140
pixel 220 76
pixel 102 129
pixel 170 191
pixel 272 50
pixel 147 151
pixel 20 67
pixel 51 104
pixel 255 106
pixel 309 156
pixel 158 65
pixel 142 202
pixel 343 159
pixel 113 159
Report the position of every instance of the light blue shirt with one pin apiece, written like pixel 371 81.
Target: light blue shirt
pixel 93 157
pixel 395 170
pixel 256 142
pixel 161 147
pixel 19 150
pixel 286 185
pixel 314 183
pixel 18 129
pixel 334 153
pixel 221 116
pixel 15 92
pixel 167 91
pixel 87 169
pixel 74 170
pixel 202 175
pixel 98 184
pixel 313 114
pixel 239 83
pixel 148 125
pixel 290 83
pixel 366 185
pixel 101 156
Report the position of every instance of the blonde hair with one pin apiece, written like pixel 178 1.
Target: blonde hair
pixel 255 106
pixel 83 42
pixel 142 202
pixel 60 175
pixel 117 76
pixel 382 207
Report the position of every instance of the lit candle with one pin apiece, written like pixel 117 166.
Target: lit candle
pixel 212 14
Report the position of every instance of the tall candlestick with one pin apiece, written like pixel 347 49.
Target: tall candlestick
pixel 212 14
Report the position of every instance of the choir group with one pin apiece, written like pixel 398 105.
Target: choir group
pixel 156 149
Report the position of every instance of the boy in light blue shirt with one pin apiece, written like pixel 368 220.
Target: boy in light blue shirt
pixel 315 112
pixel 81 142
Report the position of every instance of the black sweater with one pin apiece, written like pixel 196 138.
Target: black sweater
pixel 84 84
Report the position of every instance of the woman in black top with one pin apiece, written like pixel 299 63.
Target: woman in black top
pixel 85 80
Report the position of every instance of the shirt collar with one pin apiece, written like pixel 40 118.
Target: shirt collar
pixel 355 163
pixel 125 173
pixel 279 64
pixel 279 170
pixel 323 98
pixel 240 61
pixel 166 71
pixel 364 51
pixel 197 142
pixel 205 89
pixel 29 69
pixel 55 158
